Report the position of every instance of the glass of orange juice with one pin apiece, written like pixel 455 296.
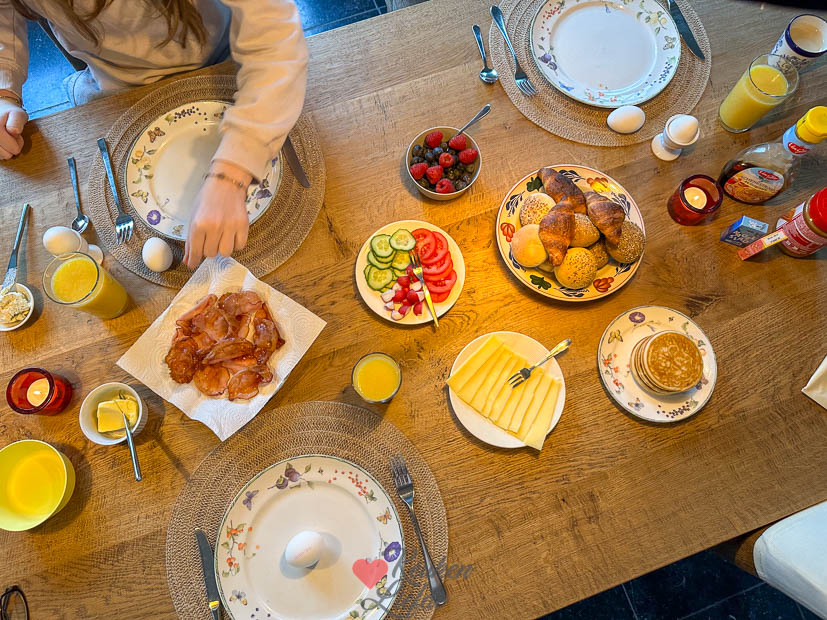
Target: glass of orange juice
pixel 77 281
pixel 768 81
pixel 376 377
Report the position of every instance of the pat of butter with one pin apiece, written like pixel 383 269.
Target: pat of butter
pixel 110 414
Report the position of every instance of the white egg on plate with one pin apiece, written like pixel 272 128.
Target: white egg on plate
pixel 156 254
pixel 61 240
pixel 626 119
pixel 304 549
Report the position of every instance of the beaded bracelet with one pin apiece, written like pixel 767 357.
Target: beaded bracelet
pixel 223 177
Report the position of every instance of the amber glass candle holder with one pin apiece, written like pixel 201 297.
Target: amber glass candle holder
pixel 697 198
pixel 34 390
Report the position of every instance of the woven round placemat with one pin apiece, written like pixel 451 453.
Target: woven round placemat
pixel 273 238
pixel 331 428
pixel 570 119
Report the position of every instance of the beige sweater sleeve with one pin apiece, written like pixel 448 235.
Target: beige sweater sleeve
pixel 14 49
pixel 267 41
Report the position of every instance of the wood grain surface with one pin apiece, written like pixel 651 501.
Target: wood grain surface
pixel 609 497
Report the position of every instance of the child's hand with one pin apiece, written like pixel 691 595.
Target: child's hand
pixel 12 120
pixel 219 223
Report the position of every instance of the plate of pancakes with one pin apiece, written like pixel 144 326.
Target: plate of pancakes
pixel 657 364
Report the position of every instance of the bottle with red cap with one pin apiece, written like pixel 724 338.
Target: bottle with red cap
pixel 805 226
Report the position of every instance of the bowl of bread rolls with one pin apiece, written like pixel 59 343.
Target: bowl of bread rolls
pixel 570 232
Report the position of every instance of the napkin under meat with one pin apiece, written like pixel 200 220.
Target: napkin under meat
pixel 223 345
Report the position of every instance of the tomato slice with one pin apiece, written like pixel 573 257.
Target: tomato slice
pixel 439 297
pixel 440 250
pixel 425 243
pixel 438 270
pixel 445 285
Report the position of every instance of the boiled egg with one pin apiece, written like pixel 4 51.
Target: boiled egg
pixel 156 254
pixel 62 240
pixel 304 549
pixel 626 119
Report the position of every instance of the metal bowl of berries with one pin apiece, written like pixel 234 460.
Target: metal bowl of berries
pixel 441 164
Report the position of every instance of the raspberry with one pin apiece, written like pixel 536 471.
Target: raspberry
pixel 433 139
pixel 457 143
pixel 467 156
pixel 418 170
pixel 434 174
pixel 444 186
pixel 446 160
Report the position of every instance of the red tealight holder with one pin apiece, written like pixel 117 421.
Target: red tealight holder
pixel 697 198
pixel 34 390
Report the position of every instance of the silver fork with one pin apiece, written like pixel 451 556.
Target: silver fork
pixel 124 224
pixel 405 490
pixel 524 373
pixel 520 77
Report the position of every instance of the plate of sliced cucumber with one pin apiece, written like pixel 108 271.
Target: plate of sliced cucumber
pixel 384 275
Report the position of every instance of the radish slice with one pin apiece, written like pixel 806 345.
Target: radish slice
pixel 418 309
pixel 396 287
pixel 389 306
pixel 388 295
pixel 396 316
pixel 403 309
pixel 421 295
pixel 416 286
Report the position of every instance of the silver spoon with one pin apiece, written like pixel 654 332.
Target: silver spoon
pixel 135 465
pixel 80 223
pixel 485 110
pixel 488 74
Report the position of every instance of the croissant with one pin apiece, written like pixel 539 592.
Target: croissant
pixel 556 230
pixel 606 215
pixel 563 190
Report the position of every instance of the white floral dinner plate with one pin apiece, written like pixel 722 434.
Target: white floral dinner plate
pixel 373 298
pixel 609 278
pixel 481 427
pixel 613 356
pixel 167 164
pixel 606 54
pixel 363 543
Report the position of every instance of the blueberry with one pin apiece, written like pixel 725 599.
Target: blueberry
pixel 417 150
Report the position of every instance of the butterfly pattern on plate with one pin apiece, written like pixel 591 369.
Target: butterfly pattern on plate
pixel 154 134
pixel 384 518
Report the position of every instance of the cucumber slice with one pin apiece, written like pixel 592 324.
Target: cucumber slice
pixel 399 273
pixel 368 269
pixel 376 262
pixel 401 260
pixel 381 246
pixel 379 278
pixel 402 240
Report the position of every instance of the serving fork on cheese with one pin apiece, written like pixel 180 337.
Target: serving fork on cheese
pixel 524 373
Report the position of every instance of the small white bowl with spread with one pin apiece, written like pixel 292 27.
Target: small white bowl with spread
pixel 89 408
pixel 9 309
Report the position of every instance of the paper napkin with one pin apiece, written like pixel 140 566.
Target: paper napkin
pixel 145 359
pixel 817 386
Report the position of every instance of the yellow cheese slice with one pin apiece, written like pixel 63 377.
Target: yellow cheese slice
pixel 511 409
pixel 501 387
pixel 530 387
pixel 471 366
pixel 536 404
pixel 469 390
pixel 504 358
pixel 498 407
pixel 110 414
pixel 539 429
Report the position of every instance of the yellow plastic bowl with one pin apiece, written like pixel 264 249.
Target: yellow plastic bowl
pixel 36 482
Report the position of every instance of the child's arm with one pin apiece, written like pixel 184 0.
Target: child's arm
pixel 14 62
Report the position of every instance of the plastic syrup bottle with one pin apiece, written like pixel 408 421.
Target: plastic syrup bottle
pixel 763 171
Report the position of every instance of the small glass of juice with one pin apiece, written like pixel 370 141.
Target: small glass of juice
pixel 34 390
pixel 768 81
pixel 377 377
pixel 697 198
pixel 77 281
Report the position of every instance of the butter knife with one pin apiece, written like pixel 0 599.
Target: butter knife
pixel 294 163
pixel 11 272
pixel 684 30
pixel 207 567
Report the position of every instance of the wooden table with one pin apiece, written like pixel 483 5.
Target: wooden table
pixel 609 497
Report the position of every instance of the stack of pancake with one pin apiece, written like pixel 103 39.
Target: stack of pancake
pixel 667 363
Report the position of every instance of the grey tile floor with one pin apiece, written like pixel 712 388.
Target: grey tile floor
pixel 701 587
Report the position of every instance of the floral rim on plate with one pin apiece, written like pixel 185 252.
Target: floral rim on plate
pixel 613 355
pixel 140 168
pixel 232 550
pixel 609 278
pixel 649 12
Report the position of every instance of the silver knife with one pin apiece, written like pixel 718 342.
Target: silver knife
pixel 11 272
pixel 294 163
pixel 684 30
pixel 207 566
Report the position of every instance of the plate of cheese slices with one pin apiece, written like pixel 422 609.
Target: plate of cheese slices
pixel 489 407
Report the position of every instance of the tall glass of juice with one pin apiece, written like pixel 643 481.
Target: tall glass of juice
pixel 376 377
pixel 77 281
pixel 768 81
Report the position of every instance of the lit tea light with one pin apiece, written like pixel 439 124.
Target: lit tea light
pixel 695 196
pixel 38 392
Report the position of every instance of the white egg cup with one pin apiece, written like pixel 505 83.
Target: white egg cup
pixel 88 412
pixel 666 147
